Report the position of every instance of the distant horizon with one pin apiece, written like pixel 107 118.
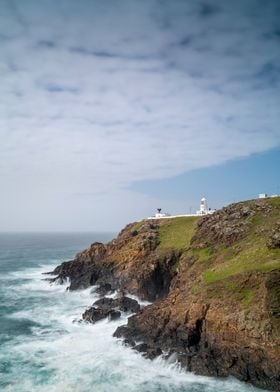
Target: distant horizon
pixel 115 232
pixel 56 232
pixel 113 109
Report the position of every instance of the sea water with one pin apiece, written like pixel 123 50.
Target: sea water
pixel 45 347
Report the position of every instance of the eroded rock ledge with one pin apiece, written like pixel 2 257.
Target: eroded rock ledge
pixel 214 284
pixel 133 263
pixel 110 308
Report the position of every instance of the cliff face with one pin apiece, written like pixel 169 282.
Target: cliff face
pixel 215 283
pixel 134 262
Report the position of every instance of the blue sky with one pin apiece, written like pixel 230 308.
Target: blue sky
pixel 236 180
pixel 105 102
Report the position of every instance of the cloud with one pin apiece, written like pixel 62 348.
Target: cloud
pixel 55 88
pixel 46 44
pixel 101 94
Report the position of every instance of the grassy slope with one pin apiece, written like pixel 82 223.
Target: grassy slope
pixel 220 272
pixel 220 269
pixel 137 226
pixel 176 233
pixel 249 254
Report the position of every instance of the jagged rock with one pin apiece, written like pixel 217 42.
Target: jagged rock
pixel 141 348
pixel 125 304
pixel 273 241
pixel 123 331
pixel 104 289
pixel 93 314
pixel 131 263
pixel 114 315
pixel 217 297
pixel 149 352
pixel 111 308
pixel 226 226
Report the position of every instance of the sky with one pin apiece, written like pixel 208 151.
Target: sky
pixel 110 109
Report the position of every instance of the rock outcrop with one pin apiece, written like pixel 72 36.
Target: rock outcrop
pixel 215 283
pixel 93 314
pixel 132 263
pixel 110 308
pixel 273 241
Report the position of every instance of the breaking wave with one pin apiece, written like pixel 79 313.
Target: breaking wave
pixel 44 346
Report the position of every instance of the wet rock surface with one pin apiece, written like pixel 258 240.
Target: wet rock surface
pixel 215 321
pixel 205 341
pixel 94 314
pixel 110 308
pixel 131 263
pixel 125 304
pixel 104 289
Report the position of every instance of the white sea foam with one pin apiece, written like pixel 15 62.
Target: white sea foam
pixel 65 355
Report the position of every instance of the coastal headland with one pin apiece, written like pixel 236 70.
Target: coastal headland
pixel 213 283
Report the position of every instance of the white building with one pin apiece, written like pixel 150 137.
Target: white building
pixel 265 195
pixel 159 215
pixel 203 210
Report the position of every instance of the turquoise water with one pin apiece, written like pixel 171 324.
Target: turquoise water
pixel 44 347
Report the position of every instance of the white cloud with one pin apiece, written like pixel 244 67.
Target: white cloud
pixel 98 95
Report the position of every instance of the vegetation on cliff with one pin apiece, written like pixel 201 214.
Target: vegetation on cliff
pixel 215 280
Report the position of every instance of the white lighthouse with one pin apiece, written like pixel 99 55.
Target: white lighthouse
pixel 203 210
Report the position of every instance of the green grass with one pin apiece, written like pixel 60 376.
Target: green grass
pixel 203 254
pixel 247 296
pixel 275 201
pixel 256 221
pixel 249 254
pixel 176 233
pixel 255 257
pixel 137 225
pixel 218 269
pixel 196 288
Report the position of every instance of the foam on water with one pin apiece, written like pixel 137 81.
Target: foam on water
pixel 56 352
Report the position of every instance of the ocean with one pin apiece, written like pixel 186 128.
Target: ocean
pixel 45 347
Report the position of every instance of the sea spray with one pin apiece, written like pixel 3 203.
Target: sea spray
pixel 51 350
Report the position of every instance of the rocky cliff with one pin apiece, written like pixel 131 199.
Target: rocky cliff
pixel 214 284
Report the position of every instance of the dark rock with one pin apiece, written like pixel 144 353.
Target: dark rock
pixel 202 339
pixel 229 328
pixel 124 332
pixel 273 241
pixel 142 347
pixel 104 289
pixel 129 343
pixel 125 304
pixel 104 303
pixel 227 226
pixel 148 351
pixel 93 314
pixel 130 263
pixel 157 283
pixel 153 353
pixel 114 315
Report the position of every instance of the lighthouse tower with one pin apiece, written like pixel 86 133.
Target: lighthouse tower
pixel 203 209
pixel 203 206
